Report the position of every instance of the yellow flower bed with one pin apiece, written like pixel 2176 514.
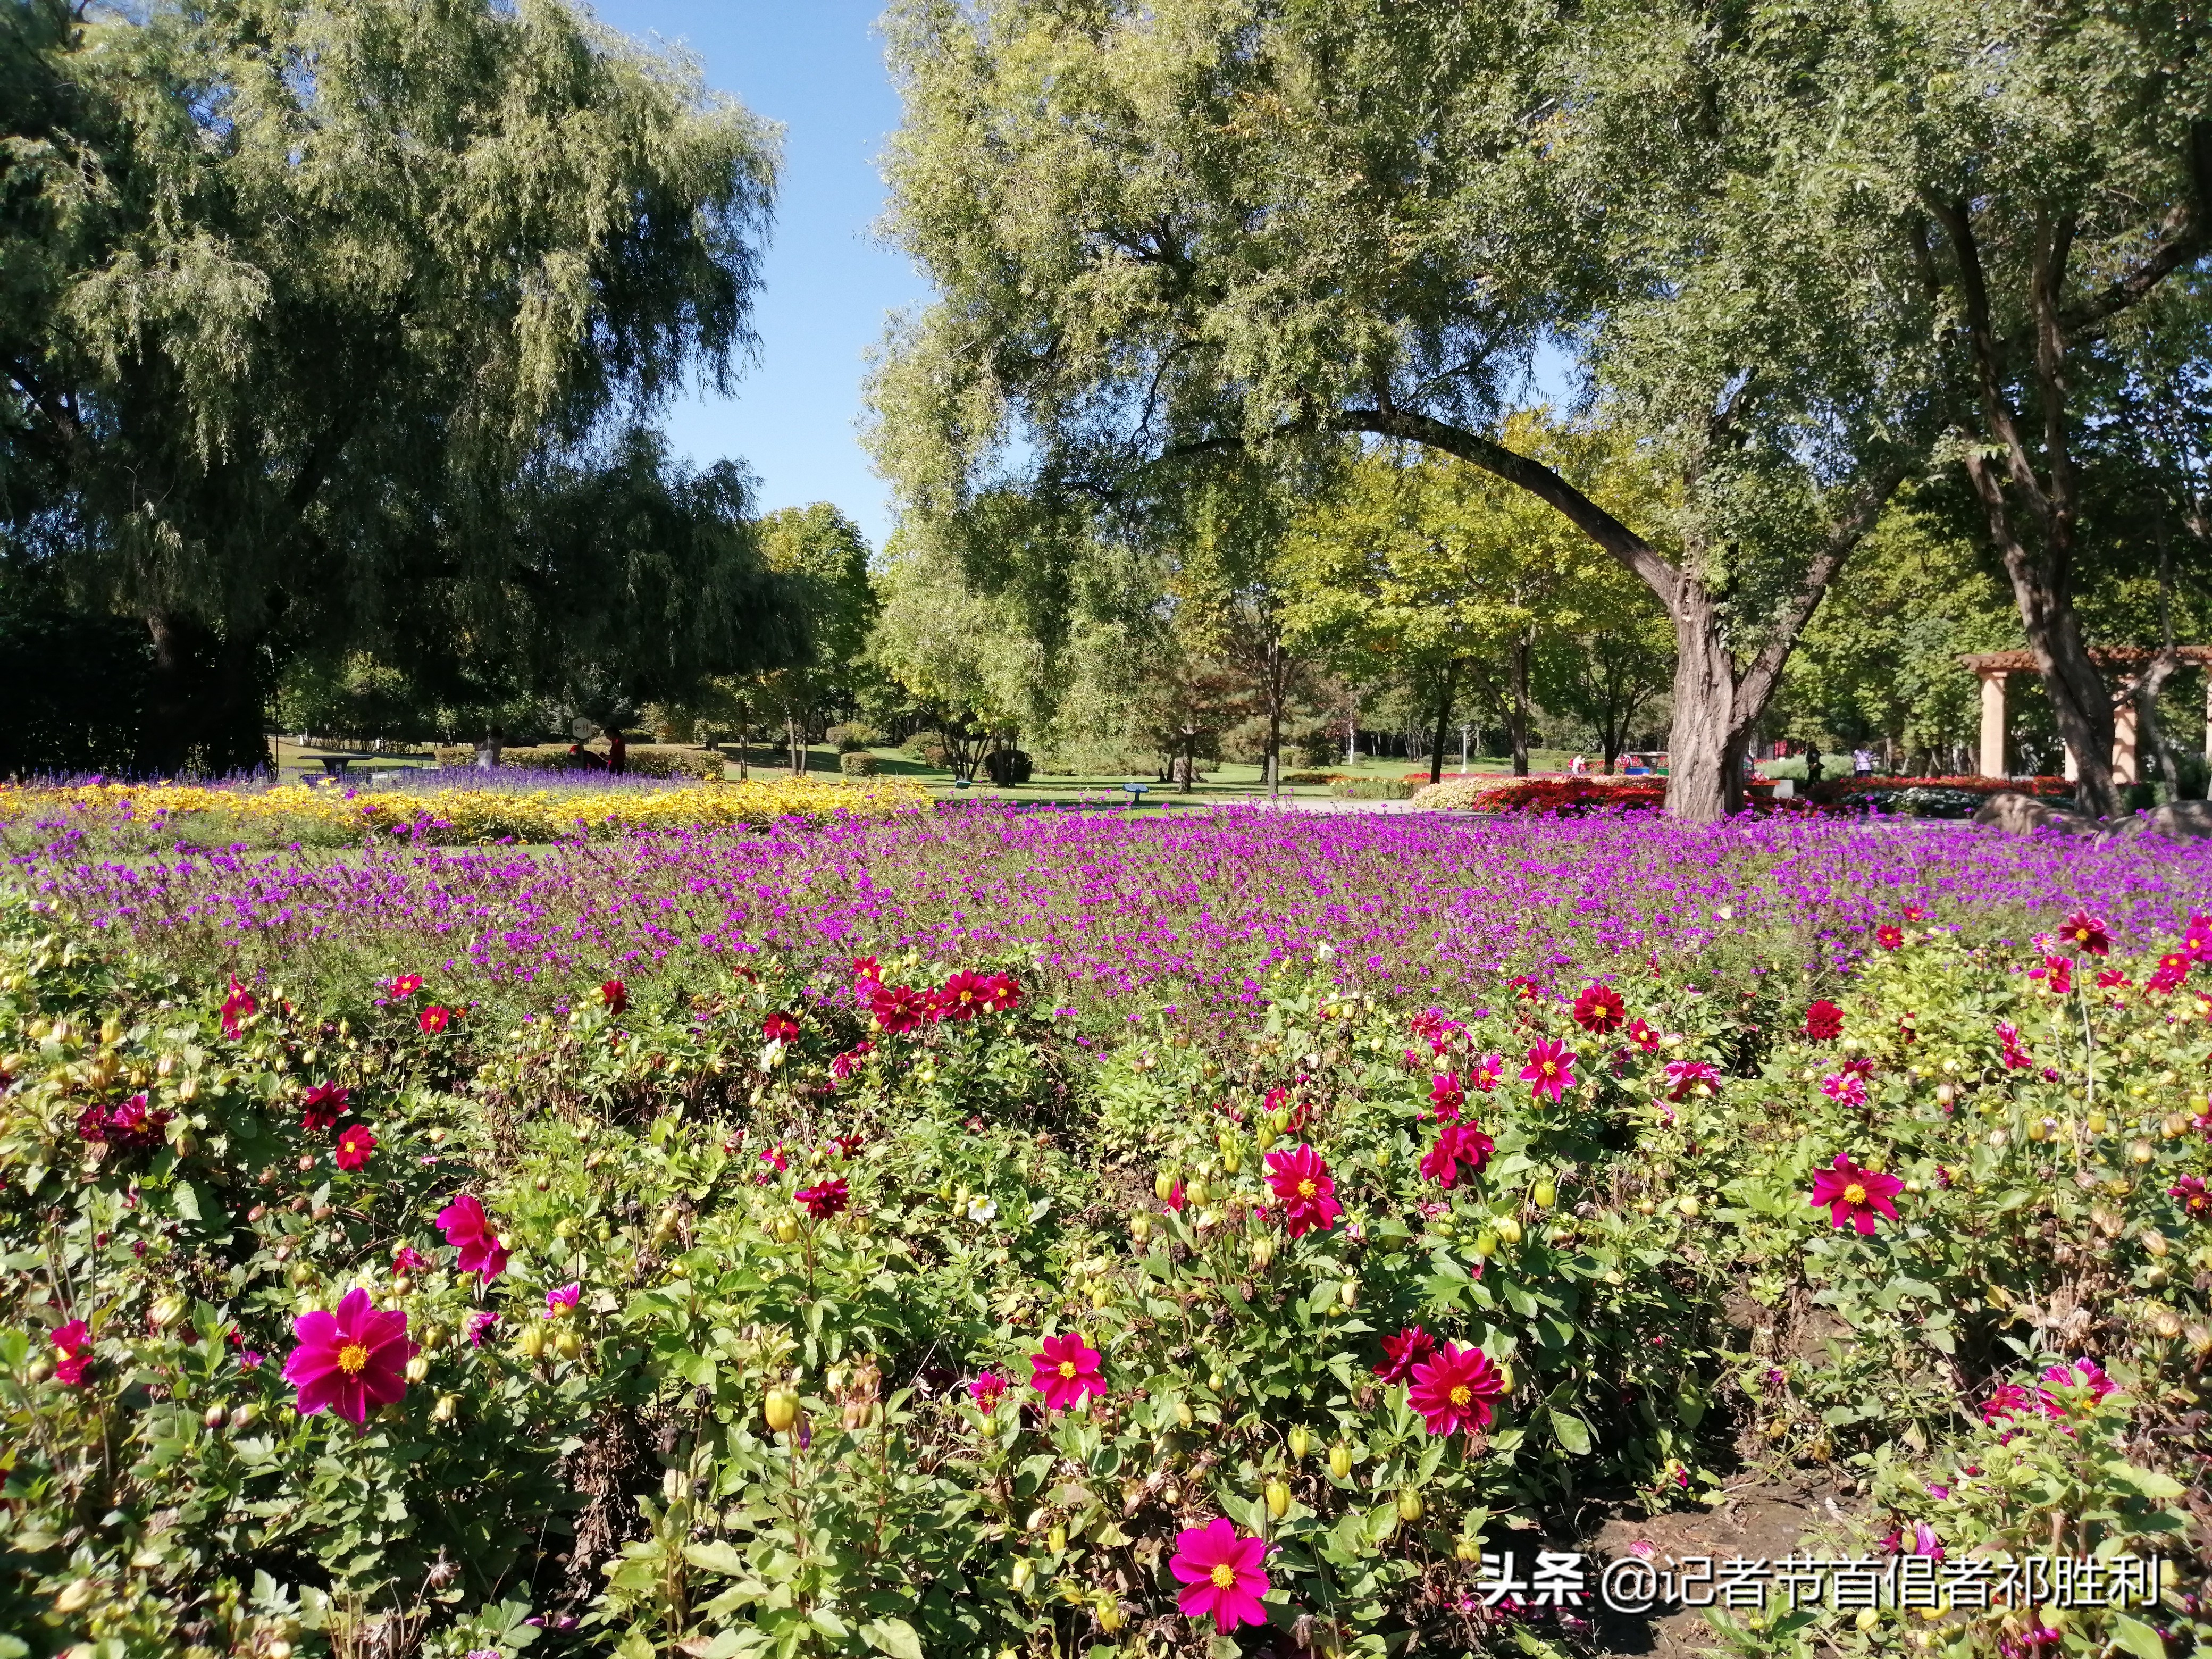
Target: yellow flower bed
pixel 465 816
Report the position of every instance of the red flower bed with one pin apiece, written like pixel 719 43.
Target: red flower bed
pixel 1564 794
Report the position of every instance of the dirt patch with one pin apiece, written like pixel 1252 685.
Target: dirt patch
pixel 1758 1522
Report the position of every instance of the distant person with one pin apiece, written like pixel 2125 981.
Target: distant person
pixel 617 753
pixel 1862 762
pixel 1633 766
pixel 583 760
pixel 1813 764
pixel 1579 767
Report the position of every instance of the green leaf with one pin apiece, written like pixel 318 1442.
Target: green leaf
pixel 894 1637
pixel 2137 1638
pixel 717 1555
pixel 1571 1433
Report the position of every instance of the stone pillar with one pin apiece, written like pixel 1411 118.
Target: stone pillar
pixel 2073 766
pixel 1993 723
pixel 2124 743
pixel 2208 711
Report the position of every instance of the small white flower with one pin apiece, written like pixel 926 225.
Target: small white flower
pixel 982 1209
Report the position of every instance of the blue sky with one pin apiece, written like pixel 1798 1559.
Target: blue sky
pixel 817 67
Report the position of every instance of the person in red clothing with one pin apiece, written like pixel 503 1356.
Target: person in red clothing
pixel 617 751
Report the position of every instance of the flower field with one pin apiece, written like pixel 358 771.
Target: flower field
pixel 970 1232
pixel 516 805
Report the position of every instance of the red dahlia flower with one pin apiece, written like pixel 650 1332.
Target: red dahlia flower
pixel 1824 1021
pixel 1400 1354
pixel 2007 1402
pixel 826 1200
pixel 1453 1391
pixel 1301 1179
pixel 961 996
pixel 1550 1069
pixel 1066 1370
pixel 349 1361
pixel 128 1126
pixel 2057 974
pixel 1488 1071
pixel 404 987
pixel 1456 1144
pixel 2016 1057
pixel 468 1229
pixel 434 1018
pixel 1888 936
pixel 1599 1009
pixel 615 995
pixel 897 1008
pixel 236 1006
pixel 2195 1197
pixel 866 970
pixel 1445 1097
pixel 322 1106
pixel 2084 931
pixel 354 1147
pixel 2172 969
pixel 74 1342
pixel 1524 989
pixel 780 1027
pixel 1002 992
pixel 1223 1575
pixel 1642 1034
pixel 2112 979
pixel 1854 1196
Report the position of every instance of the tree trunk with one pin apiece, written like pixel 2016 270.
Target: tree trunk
pixel 1519 710
pixel 744 741
pixel 1443 724
pixel 1706 750
pixel 1274 718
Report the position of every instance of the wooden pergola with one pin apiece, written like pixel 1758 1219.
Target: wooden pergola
pixel 1993 667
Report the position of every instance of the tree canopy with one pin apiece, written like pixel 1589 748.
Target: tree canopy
pixel 322 328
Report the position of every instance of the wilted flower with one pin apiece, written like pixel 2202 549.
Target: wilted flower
pixel 1301 1179
pixel 614 996
pixel 1066 1370
pixel 348 1360
pixel 1854 1196
pixel 1686 1076
pixel 1222 1575
pixel 2016 1058
pixel 127 1126
pixel 1456 1144
pixel 1453 1391
pixel 480 1324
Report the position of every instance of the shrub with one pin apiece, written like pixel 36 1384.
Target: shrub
pixel 1372 789
pixel 739 1296
pixel 1007 767
pixel 931 753
pixel 1307 780
pixel 853 737
pixel 858 763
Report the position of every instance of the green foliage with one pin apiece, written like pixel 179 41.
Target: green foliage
pixel 308 364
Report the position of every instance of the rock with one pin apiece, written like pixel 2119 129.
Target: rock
pixel 2017 814
pixel 2180 820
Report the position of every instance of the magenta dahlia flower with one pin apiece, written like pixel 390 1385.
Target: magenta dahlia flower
pixel 1301 1179
pixel 1223 1574
pixel 349 1361
pixel 1453 1391
pixel 1549 1071
pixel 468 1229
pixel 1066 1370
pixel 1854 1196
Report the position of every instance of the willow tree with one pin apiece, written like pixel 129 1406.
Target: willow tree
pixel 1167 229
pixel 299 297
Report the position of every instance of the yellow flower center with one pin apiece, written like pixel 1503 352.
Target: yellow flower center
pixel 1462 1395
pixel 1855 1194
pixel 1224 1577
pixel 1549 1069
pixel 353 1360
pixel 1305 1190
pixel 1068 1370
